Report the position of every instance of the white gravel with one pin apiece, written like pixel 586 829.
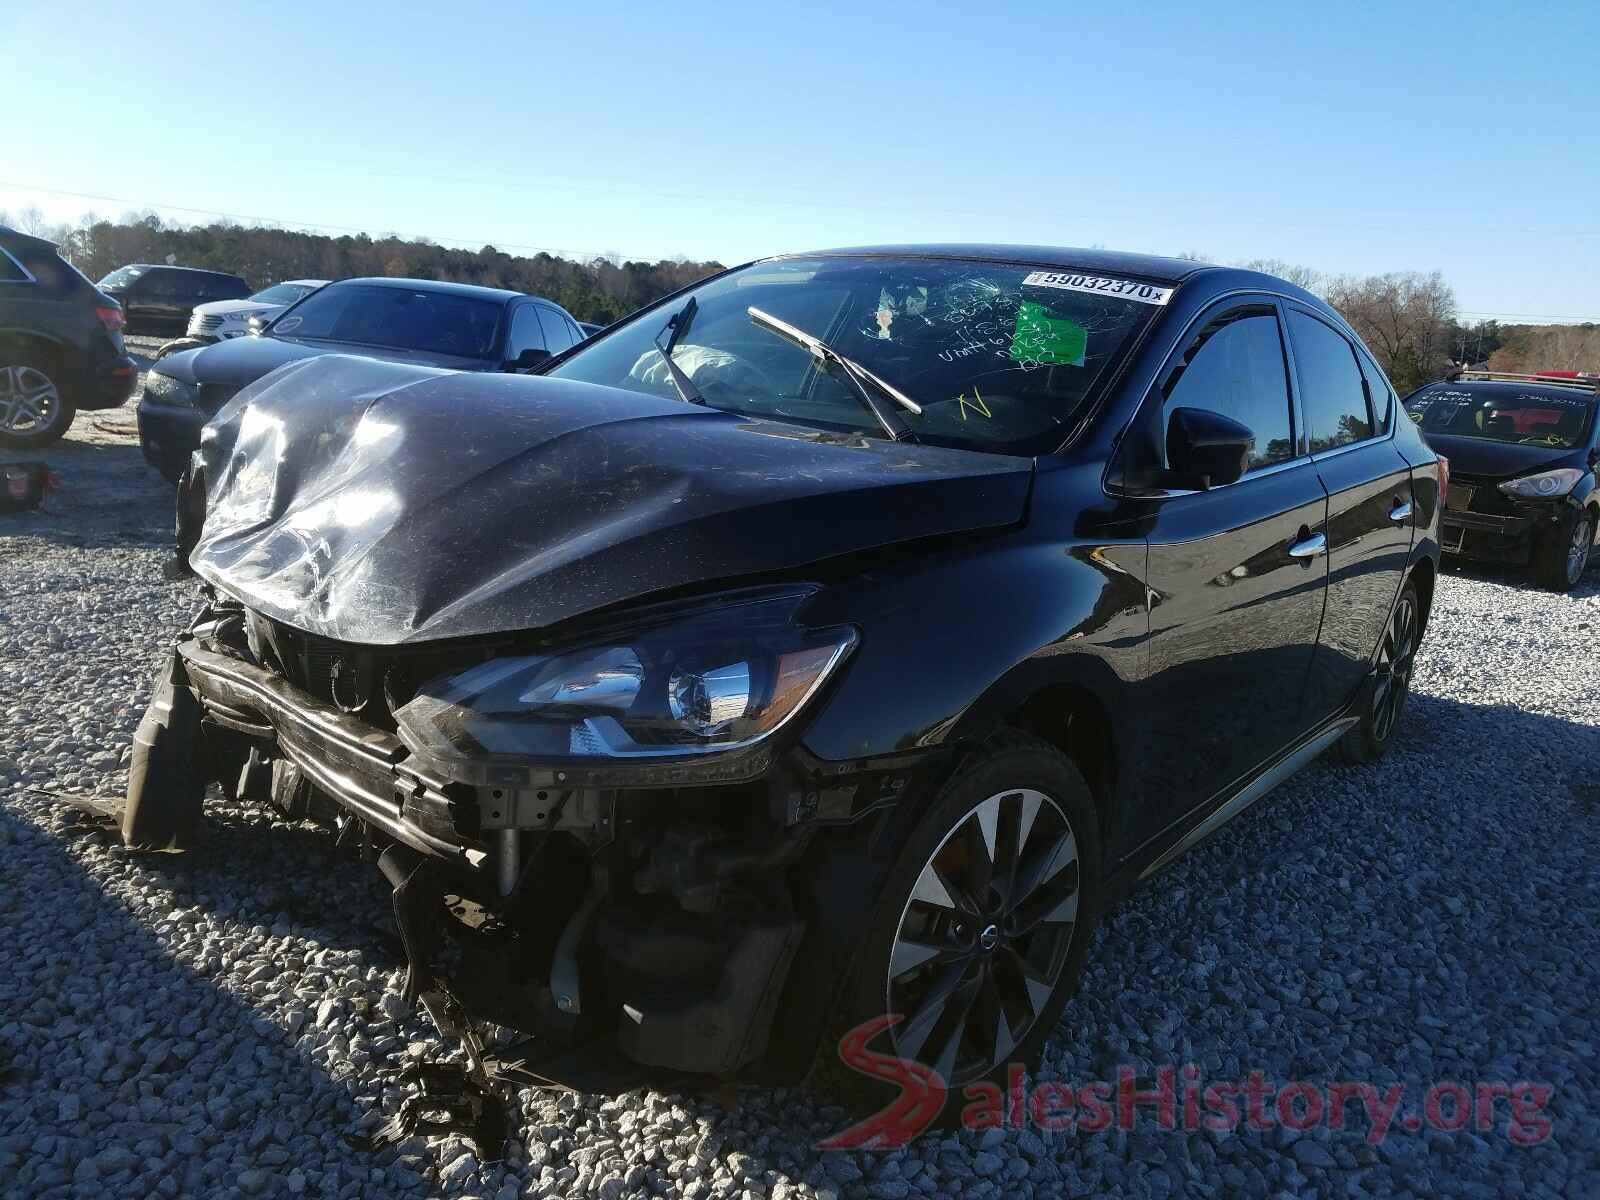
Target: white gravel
pixel 215 1023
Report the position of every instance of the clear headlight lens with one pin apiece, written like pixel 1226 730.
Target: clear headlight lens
pixel 1544 485
pixel 166 390
pixel 717 680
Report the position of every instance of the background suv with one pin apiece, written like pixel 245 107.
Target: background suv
pixel 60 343
pixel 160 299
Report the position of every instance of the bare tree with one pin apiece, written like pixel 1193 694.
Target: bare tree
pixel 31 221
pixel 1404 317
pixel 1312 280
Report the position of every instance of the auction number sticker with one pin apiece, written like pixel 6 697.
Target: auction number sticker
pixel 1127 289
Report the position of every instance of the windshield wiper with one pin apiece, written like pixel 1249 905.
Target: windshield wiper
pixel 672 331
pixel 857 376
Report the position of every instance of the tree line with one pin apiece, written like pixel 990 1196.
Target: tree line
pixel 598 290
pixel 1407 318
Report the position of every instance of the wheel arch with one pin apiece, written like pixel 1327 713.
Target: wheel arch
pixel 1072 703
pixel 1424 575
pixel 48 344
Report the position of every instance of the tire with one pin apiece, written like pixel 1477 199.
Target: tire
pixel 1386 698
pixel 34 409
pixel 1560 563
pixel 987 963
pixel 178 344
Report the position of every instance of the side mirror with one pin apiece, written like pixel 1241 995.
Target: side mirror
pixel 1206 448
pixel 527 360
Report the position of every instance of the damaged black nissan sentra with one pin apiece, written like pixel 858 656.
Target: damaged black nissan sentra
pixel 832 639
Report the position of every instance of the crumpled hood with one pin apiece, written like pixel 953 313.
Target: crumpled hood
pixel 380 503
pixel 233 363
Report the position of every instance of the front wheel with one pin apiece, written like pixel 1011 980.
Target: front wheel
pixel 1561 562
pixel 33 412
pixel 978 939
pixel 1390 683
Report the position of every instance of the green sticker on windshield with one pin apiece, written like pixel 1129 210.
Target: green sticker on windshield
pixel 1049 341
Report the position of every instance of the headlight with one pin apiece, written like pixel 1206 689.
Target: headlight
pixel 1545 485
pixel 717 680
pixel 167 390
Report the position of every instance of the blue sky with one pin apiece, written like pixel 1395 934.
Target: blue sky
pixel 1349 138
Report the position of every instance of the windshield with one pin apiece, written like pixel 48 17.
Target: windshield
pixel 1544 418
pixel 999 357
pixel 281 293
pixel 398 318
pixel 121 277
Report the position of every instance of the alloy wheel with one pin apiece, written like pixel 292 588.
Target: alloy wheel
pixel 1395 660
pixel 984 937
pixel 1578 551
pixel 28 399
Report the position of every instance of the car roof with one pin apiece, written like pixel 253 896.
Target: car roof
pixel 176 267
pixel 300 282
pixel 1149 266
pixel 25 239
pixel 437 285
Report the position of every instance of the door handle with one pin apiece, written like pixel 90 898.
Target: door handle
pixel 1309 547
pixel 1401 511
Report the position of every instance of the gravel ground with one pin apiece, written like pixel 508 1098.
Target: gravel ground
pixel 216 1023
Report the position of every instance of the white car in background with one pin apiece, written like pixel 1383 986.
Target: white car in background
pixel 222 319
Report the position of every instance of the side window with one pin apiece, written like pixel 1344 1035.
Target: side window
pixel 525 332
pixel 160 285
pixel 556 333
pixel 1235 368
pixel 1331 396
pixel 1379 394
pixel 11 270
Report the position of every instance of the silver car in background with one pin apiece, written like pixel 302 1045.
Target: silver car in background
pixel 222 319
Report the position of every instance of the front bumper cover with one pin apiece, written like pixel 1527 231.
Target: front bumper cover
pixel 360 767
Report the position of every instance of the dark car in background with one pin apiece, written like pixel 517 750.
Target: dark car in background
pixel 61 346
pixel 1523 451
pixel 455 326
pixel 820 649
pixel 160 299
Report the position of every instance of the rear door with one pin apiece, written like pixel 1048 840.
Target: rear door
pixel 1236 583
pixel 1349 412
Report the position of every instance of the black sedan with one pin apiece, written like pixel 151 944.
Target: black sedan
pixel 1522 453
pixel 448 325
pixel 813 655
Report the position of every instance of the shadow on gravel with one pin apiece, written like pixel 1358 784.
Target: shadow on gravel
pixel 105 495
pixel 127 1073
pixel 1522 578
pixel 1419 920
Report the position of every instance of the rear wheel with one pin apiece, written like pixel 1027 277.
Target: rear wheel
pixel 979 937
pixel 1561 562
pixel 33 411
pixel 1391 683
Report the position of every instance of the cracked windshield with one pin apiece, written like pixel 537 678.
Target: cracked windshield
pixel 997 357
